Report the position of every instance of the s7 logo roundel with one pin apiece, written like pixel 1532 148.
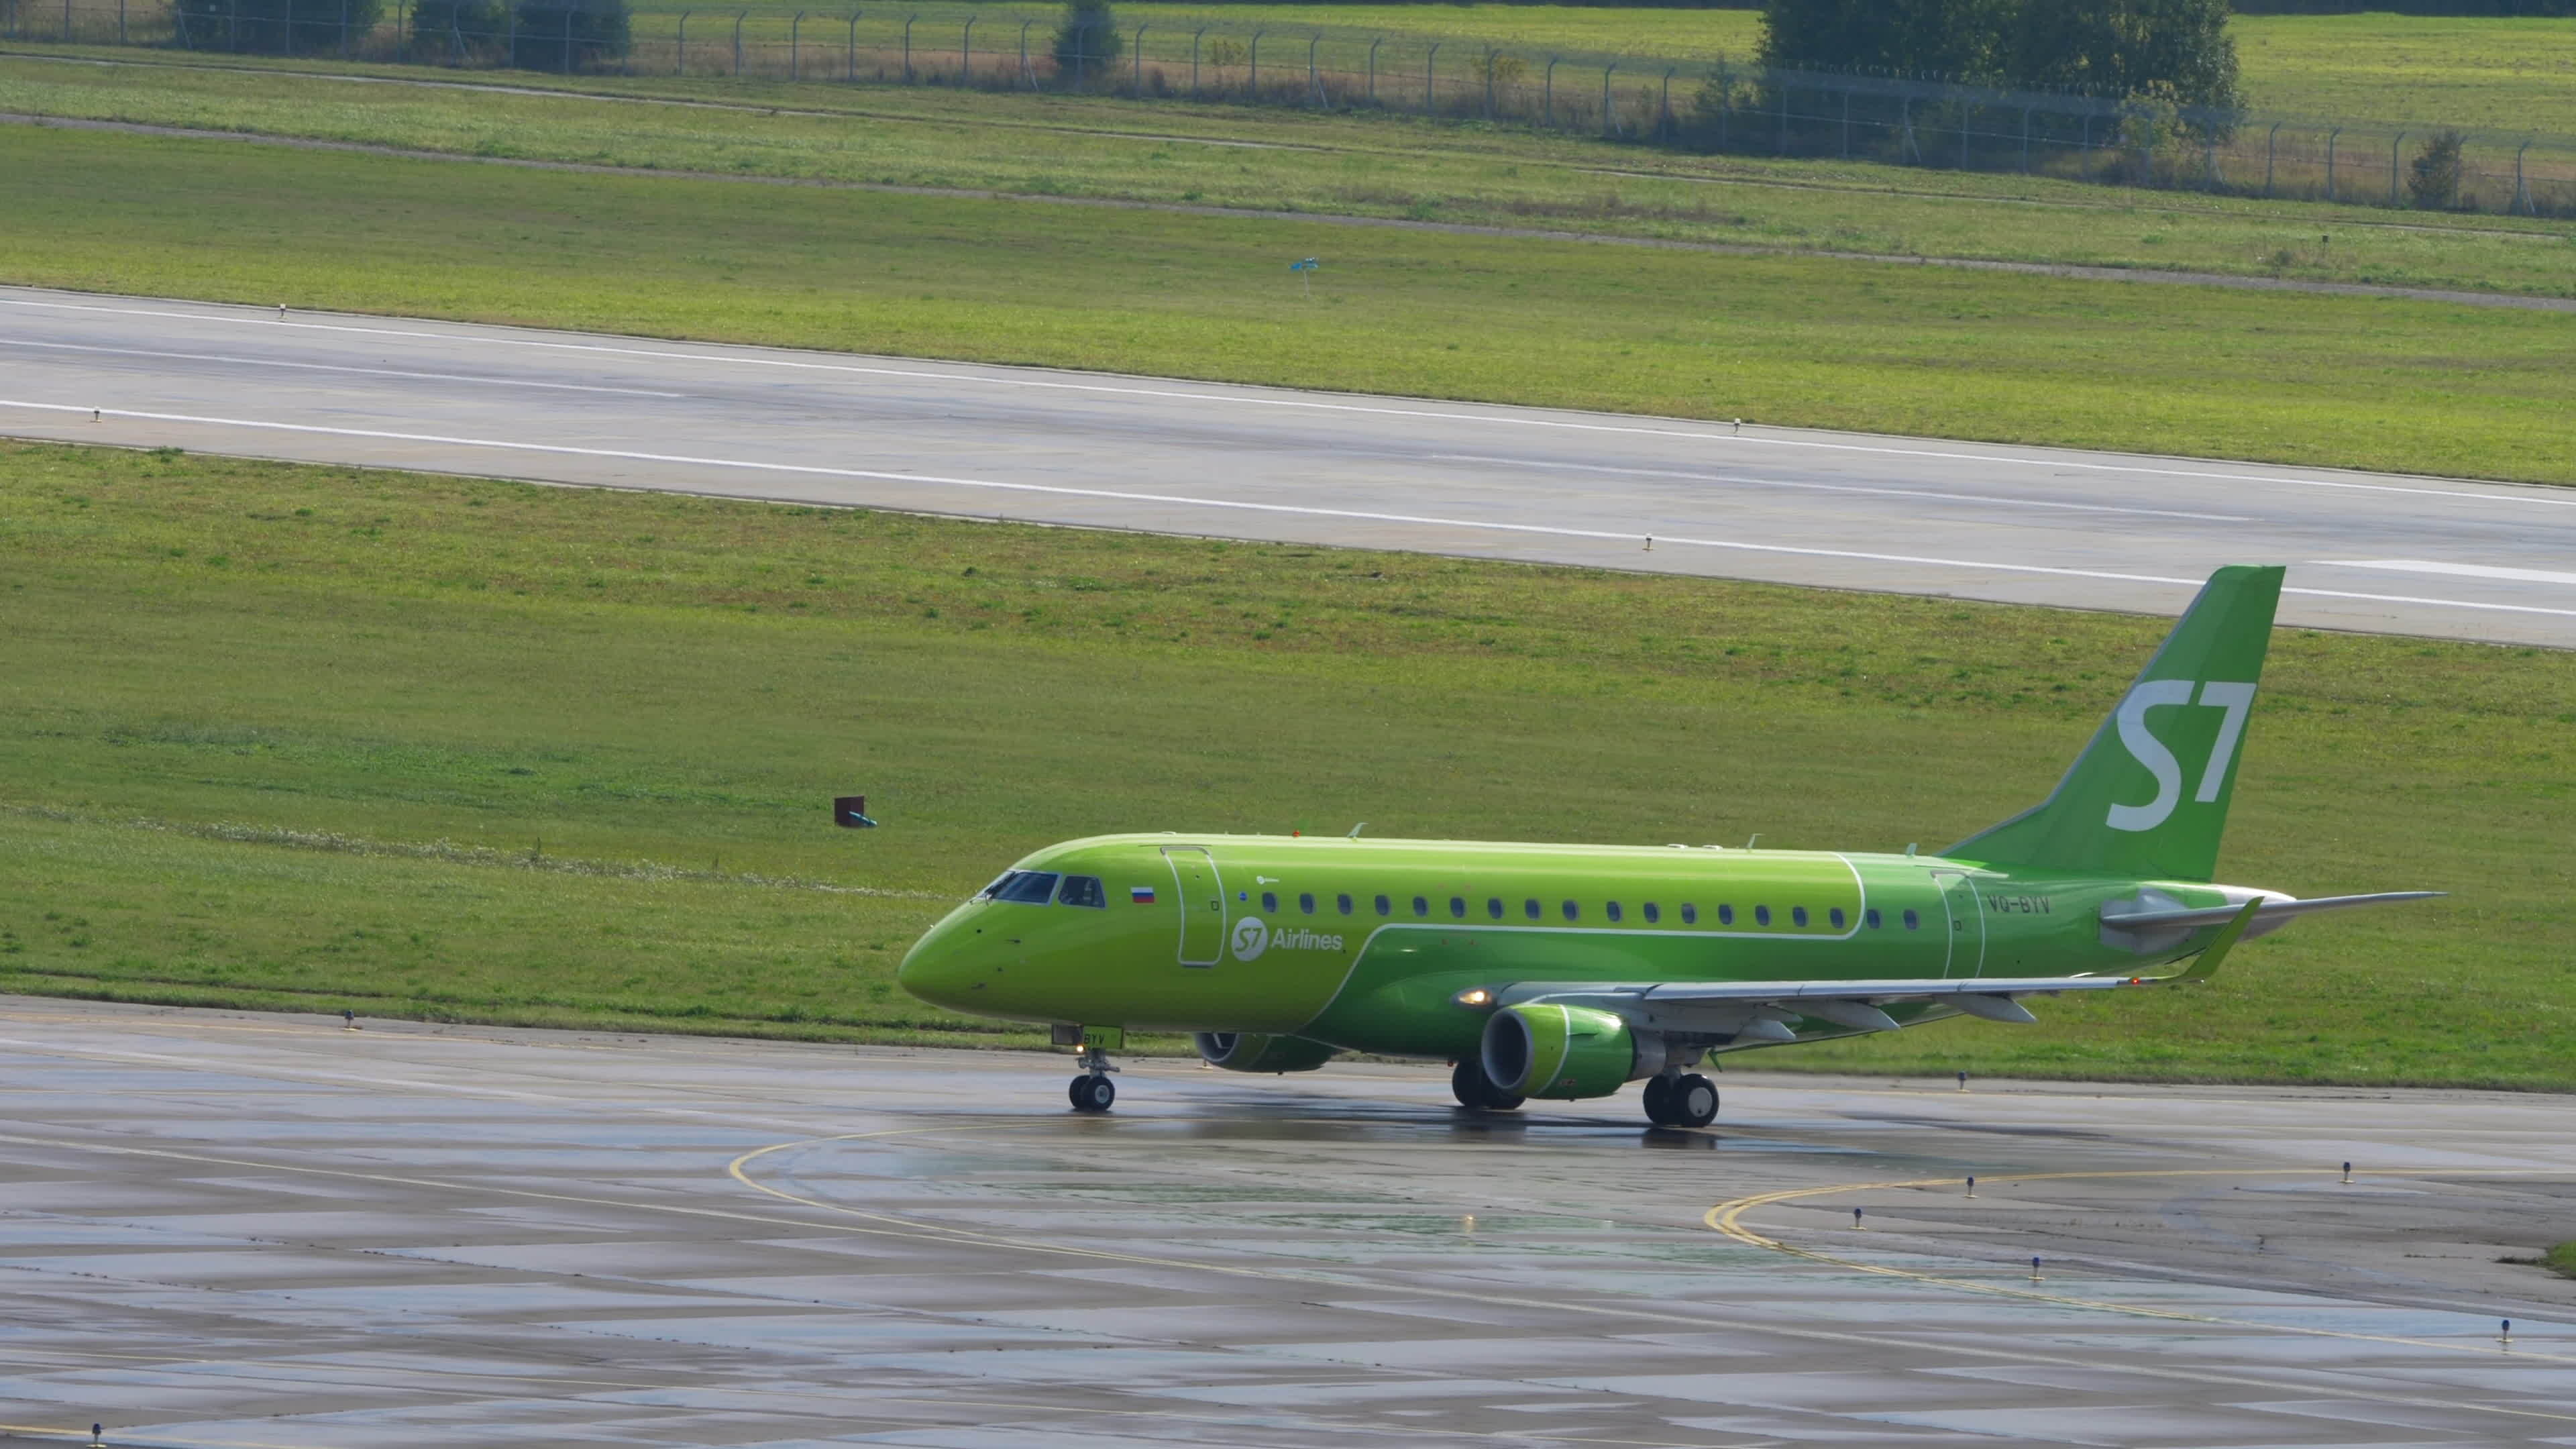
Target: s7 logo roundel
pixel 2151 752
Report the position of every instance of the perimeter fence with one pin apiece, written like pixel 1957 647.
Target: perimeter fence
pixel 1708 105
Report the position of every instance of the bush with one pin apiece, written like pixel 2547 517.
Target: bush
pixel 2434 180
pixel 1086 44
pixel 459 30
pixel 274 27
pixel 562 35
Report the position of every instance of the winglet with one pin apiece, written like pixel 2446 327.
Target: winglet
pixel 2205 965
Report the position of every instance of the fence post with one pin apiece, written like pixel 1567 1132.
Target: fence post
pixel 509 36
pixel 232 27
pixel 795 37
pixel 1609 127
pixel 1372 68
pixel 1783 145
pixel 682 67
pixel 2521 194
pixel 1140 62
pixel 2271 148
pixel 1847 123
pixel 1547 103
pixel 2330 160
pixel 344 25
pixel 966 53
pixel 907 47
pixel 1196 36
pixel 2397 141
pixel 737 40
pixel 1490 54
pixel 1026 73
pixel 1964 111
pixel 1428 75
pixel 1664 107
pixel 67 21
pixel 2209 158
pixel 2025 140
pixel 1252 79
pixel 1314 76
pixel 850 62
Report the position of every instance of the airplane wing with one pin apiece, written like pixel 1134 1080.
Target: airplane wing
pixel 1747 1012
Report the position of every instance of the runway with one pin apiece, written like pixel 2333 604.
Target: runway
pixel 2030 525
pixel 224 1229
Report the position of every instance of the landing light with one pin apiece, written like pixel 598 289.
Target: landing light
pixel 1473 996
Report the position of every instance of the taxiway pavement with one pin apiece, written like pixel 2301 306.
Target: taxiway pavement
pixel 2032 525
pixel 234 1230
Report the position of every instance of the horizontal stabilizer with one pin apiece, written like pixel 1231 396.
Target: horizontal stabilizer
pixel 2268 911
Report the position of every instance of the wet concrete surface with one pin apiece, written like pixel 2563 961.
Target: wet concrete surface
pixel 224 1229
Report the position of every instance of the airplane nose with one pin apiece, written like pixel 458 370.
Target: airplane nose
pixel 938 966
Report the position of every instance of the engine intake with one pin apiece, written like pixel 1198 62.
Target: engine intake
pixel 1240 1051
pixel 1565 1052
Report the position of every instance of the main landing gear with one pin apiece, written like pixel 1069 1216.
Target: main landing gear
pixel 1476 1091
pixel 1093 1091
pixel 1681 1101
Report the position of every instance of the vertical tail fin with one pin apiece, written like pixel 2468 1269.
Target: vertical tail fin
pixel 2148 797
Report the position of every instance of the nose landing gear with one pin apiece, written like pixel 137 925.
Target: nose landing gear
pixel 1681 1101
pixel 1093 1091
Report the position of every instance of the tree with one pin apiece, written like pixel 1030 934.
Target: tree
pixel 2179 48
pixel 459 30
pixel 1086 44
pixel 275 27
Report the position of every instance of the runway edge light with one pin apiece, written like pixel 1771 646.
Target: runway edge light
pixel 850 812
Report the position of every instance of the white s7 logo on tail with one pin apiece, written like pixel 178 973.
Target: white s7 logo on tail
pixel 2149 751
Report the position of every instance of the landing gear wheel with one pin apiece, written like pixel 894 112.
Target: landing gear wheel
pixel 1659 1101
pixel 1091 1093
pixel 1691 1102
pixel 1477 1092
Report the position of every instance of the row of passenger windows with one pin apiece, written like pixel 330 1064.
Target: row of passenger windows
pixel 1039 887
pixel 1651 912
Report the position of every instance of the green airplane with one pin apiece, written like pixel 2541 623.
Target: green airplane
pixel 1568 971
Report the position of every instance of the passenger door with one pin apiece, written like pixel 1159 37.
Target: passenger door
pixel 1201 896
pixel 1967 913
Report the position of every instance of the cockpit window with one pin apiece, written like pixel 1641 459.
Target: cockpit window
pixel 1031 886
pixel 1083 890
pixel 995 889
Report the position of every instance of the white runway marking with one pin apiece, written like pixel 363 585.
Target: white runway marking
pixel 335 367
pixel 1182 500
pixel 1703 433
pixel 2456 570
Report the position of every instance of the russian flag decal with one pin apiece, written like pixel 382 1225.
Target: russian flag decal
pixel 1141 895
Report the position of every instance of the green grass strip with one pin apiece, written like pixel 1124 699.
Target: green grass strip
pixel 301 738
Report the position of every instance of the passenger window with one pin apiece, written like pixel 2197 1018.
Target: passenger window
pixel 1690 914
pixel 1030 887
pixel 1421 907
pixel 1726 915
pixel 1385 907
pixel 1532 909
pixel 1912 921
pixel 1612 910
pixel 1342 904
pixel 1761 915
pixel 1458 908
pixel 1083 890
pixel 1306 902
pixel 1871 916
pixel 1494 907
pixel 1654 913
pixel 1797 915
pixel 1573 912
pixel 1835 917
pixel 1270 902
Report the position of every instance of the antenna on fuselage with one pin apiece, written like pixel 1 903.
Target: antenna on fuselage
pixel 1909 847
pixel 1756 840
pixel 1355 831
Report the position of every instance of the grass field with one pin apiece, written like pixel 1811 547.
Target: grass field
pixel 1351 165
pixel 290 736
pixel 2410 386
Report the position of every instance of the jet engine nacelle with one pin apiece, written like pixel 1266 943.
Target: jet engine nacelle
pixel 1241 1051
pixel 1543 1050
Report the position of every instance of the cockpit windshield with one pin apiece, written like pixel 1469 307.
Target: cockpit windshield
pixel 1035 887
